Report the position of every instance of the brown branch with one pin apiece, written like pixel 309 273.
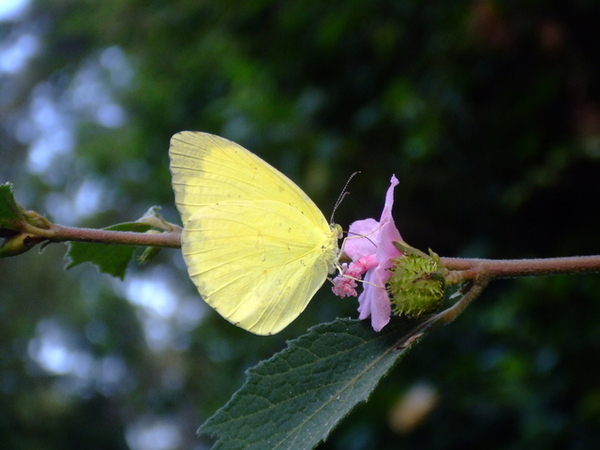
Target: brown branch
pixel 59 233
pixel 460 269
pixel 511 268
pixel 475 274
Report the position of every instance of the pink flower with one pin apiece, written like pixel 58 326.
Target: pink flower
pixel 370 247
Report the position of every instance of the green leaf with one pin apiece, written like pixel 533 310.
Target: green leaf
pixel 154 219
pixel 148 254
pixel 110 259
pixel 10 211
pixel 295 398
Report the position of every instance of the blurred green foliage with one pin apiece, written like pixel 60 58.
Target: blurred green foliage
pixel 489 114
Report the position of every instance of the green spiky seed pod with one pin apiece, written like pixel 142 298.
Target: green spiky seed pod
pixel 417 284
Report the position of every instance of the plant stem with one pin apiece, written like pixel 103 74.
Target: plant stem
pixel 475 274
pixel 456 310
pixel 464 269
pixel 59 233
pixel 511 268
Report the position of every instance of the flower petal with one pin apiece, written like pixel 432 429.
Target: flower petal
pixel 361 239
pixel 370 245
pixel 374 301
pixel 389 200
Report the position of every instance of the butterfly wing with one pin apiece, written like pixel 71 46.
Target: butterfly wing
pixel 209 169
pixel 247 267
pixel 256 247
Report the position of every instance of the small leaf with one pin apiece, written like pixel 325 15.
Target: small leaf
pixel 295 398
pixel 149 253
pixel 10 211
pixel 110 259
pixel 154 219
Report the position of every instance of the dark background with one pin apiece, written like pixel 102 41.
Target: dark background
pixel 488 112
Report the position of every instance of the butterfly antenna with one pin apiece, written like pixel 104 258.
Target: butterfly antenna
pixel 342 196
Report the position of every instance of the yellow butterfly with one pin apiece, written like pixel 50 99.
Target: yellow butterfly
pixel 255 245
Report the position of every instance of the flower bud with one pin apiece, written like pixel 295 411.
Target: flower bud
pixel 17 244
